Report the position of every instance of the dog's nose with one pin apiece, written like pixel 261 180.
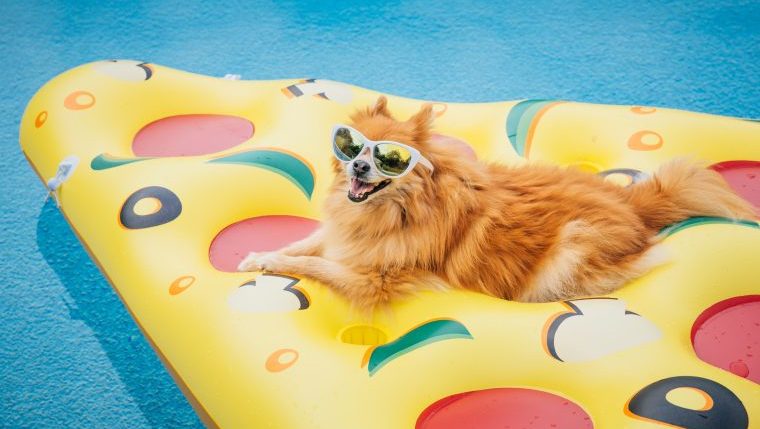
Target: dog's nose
pixel 361 166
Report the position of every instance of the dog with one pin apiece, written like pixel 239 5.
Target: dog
pixel 531 233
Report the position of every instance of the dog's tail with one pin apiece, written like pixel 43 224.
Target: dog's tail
pixel 682 189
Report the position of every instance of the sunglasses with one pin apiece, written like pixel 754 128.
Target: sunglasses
pixel 392 159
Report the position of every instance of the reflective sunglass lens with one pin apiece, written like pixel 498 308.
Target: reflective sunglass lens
pixel 392 159
pixel 346 146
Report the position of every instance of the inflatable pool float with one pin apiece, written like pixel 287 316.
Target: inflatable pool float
pixel 170 178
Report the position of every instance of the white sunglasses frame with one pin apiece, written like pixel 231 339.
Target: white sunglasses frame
pixel 370 144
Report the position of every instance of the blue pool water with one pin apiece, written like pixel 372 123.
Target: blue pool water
pixel 70 356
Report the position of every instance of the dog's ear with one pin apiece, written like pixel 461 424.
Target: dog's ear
pixel 421 123
pixel 381 107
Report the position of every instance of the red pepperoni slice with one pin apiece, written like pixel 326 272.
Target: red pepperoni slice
pixel 465 149
pixel 743 177
pixel 727 335
pixel 258 234
pixel 189 135
pixel 504 408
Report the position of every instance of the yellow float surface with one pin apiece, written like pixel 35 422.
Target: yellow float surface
pixel 254 350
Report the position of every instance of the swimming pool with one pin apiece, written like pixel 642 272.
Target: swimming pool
pixel 70 356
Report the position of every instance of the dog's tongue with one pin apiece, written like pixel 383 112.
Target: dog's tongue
pixel 359 187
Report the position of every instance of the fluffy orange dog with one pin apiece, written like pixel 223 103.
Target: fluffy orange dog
pixel 427 216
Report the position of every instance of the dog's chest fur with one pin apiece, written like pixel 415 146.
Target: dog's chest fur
pixel 392 250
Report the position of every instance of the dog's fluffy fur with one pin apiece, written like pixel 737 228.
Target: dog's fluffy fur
pixel 529 233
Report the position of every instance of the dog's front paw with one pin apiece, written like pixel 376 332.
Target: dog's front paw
pixel 264 261
pixel 250 262
pixel 274 262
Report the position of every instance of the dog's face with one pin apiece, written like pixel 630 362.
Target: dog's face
pixel 363 181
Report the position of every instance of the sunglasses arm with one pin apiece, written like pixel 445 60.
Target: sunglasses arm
pixel 424 161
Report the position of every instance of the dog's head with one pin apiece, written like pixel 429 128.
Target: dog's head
pixel 361 177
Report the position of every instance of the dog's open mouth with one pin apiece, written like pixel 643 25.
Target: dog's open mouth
pixel 360 191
